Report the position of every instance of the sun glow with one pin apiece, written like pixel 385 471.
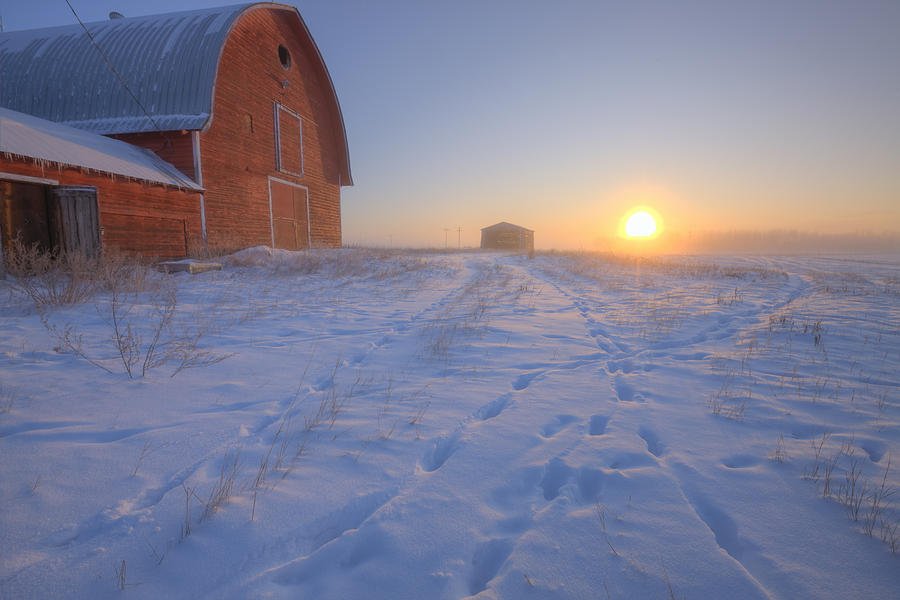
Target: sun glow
pixel 640 223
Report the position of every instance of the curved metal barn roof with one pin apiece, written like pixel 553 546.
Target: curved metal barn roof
pixel 169 61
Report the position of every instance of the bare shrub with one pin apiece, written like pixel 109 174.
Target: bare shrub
pixel 140 307
pixel 356 263
pixel 147 448
pixel 828 472
pixel 186 353
pixel 50 279
pixel 779 454
pixel 600 511
pixel 815 471
pixel 416 418
pixel 726 402
pixel 383 430
pixel 863 502
pixel 121 575
pixel 223 244
pixel 853 491
pixel 467 312
pixel 7 398
pixel 890 535
pixel 186 527
pixel 876 505
pixel 223 488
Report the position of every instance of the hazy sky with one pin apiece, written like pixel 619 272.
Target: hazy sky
pixel 559 116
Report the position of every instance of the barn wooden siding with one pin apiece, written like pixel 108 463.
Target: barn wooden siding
pixel 134 216
pixel 506 236
pixel 238 151
pixel 174 147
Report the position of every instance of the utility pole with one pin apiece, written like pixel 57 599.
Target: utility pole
pixel 446 229
pixel 458 236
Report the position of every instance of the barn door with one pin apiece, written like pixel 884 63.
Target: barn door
pixel 74 223
pixel 290 215
pixel 23 215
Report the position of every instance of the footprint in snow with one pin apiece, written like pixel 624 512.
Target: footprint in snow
pixel 345 552
pixel 741 461
pixel 598 424
pixel 874 449
pixel 349 517
pixel 553 427
pixel 493 408
pixel 723 527
pixel 521 485
pixel 556 474
pixel 441 449
pixel 624 390
pixel 654 446
pixel 523 381
pixel 487 561
pixel 620 366
pixel 631 460
pixel 590 482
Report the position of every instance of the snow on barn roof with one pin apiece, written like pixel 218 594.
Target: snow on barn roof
pixel 505 225
pixel 38 139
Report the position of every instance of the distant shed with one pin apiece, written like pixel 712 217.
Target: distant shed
pixel 237 97
pixel 65 188
pixel 506 236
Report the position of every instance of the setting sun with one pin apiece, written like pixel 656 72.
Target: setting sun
pixel 640 223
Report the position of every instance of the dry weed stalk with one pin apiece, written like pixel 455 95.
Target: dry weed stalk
pixel 224 486
pixel 120 575
pixel 600 511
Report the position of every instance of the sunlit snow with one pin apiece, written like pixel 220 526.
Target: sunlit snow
pixel 374 424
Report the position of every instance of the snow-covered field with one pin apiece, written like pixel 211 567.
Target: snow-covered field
pixel 364 424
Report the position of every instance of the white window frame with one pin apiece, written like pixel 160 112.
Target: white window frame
pixel 279 109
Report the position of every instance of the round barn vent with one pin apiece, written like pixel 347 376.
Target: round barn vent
pixel 284 57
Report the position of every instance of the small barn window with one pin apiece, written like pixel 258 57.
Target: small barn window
pixel 288 141
pixel 284 57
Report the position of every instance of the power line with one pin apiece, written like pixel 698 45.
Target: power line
pixel 115 72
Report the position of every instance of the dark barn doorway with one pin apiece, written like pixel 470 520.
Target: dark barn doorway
pixel 54 219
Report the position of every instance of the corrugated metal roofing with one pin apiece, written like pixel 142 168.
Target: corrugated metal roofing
pixel 39 139
pixel 169 62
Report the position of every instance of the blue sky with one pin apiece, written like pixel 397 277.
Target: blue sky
pixel 561 116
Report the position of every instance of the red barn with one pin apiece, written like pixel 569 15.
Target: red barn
pixel 66 188
pixel 506 236
pixel 238 98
